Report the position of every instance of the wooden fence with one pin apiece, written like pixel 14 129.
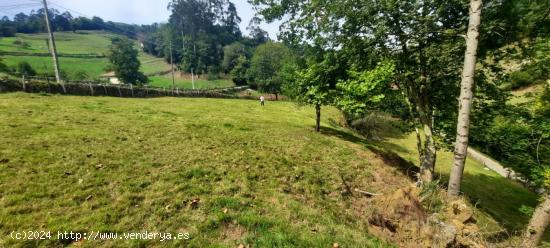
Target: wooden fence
pixel 114 90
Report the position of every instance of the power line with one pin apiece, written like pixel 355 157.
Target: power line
pixel 103 25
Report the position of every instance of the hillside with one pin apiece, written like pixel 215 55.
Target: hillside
pixel 84 51
pixel 228 172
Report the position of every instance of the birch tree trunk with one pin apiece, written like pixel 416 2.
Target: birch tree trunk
pixel 466 98
pixel 537 225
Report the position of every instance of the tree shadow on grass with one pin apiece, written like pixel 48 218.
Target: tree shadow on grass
pixel 498 197
pixel 387 155
pixel 501 199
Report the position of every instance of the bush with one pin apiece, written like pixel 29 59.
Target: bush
pixel 25 69
pixel 520 79
pixel 21 44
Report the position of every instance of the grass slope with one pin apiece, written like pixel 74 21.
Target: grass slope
pixel 183 83
pixel 121 165
pixel 261 175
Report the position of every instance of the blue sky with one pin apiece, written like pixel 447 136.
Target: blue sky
pixel 131 11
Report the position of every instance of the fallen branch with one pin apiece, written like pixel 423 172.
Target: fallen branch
pixel 366 193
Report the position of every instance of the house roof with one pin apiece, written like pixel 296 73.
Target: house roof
pixel 109 74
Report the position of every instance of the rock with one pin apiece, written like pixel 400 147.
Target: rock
pixel 335 245
pixel 195 203
pixel 461 211
pixel 447 236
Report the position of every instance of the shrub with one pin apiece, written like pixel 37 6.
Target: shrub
pixel 24 68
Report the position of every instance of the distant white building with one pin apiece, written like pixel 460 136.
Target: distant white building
pixel 111 77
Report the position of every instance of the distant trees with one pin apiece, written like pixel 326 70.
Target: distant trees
pixel 124 61
pixel 231 55
pixel 34 23
pixel 266 66
pixel 199 30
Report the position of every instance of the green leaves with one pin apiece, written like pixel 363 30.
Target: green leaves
pixel 123 57
pixel 364 88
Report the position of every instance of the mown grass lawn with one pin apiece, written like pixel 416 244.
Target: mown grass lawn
pixel 258 176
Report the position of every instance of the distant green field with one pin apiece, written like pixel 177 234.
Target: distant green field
pixel 94 67
pixel 150 64
pixel 166 81
pixel 93 43
pixel 66 42
pixel 89 42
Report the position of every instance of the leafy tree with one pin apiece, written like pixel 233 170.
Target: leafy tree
pixel 239 72
pixel 25 69
pixel 364 89
pixel 266 63
pixel 231 54
pixel 314 84
pixel 200 30
pixel 63 22
pixel 3 67
pixel 419 36
pixel 124 61
pixel 7 28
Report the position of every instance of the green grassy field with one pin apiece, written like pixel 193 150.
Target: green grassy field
pixel 228 172
pixel 88 42
pixel 94 67
pixel 166 81
pixel 92 43
pixel 261 176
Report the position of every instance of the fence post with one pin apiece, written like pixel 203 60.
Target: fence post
pixel 105 89
pixel 91 88
pixel 49 86
pixel 164 91
pixel 178 91
pixel 146 91
pixel 63 87
pixel 119 92
pixel 24 86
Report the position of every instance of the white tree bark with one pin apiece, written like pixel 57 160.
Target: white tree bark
pixel 466 98
pixel 537 225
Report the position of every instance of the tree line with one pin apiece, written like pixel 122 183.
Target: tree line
pixel 34 23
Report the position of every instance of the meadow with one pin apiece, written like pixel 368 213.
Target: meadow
pixel 228 172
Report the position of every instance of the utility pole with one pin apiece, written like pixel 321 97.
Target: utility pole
pixel 172 64
pixel 52 45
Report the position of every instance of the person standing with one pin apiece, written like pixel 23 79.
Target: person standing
pixel 262 100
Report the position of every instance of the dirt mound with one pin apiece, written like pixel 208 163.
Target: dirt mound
pixel 403 219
